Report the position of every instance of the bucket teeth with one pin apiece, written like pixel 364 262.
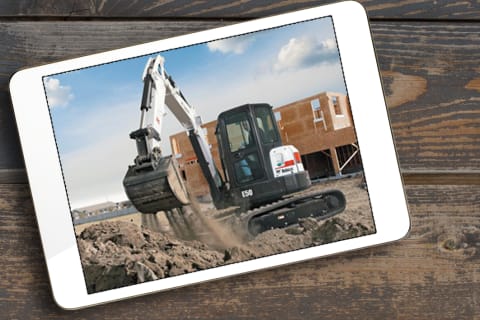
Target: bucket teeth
pixel 156 190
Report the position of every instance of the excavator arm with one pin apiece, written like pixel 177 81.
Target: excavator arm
pixel 153 182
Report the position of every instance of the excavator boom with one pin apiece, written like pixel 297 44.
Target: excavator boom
pixel 153 183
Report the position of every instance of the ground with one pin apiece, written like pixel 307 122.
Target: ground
pixel 120 253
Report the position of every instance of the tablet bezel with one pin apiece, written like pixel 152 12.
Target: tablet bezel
pixel 50 198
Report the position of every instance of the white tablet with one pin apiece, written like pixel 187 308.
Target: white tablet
pixel 209 155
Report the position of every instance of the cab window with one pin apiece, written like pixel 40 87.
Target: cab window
pixel 239 132
pixel 266 125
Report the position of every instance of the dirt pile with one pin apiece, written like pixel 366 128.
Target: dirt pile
pixel 117 254
pixel 310 232
pixel 337 229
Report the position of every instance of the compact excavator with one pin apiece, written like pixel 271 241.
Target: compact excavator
pixel 262 178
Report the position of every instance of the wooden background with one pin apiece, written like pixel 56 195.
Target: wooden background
pixel 429 56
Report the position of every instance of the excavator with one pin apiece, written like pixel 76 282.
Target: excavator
pixel 264 180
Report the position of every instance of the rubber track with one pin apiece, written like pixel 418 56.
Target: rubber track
pixel 271 208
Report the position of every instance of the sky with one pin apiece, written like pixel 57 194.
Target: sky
pixel 93 110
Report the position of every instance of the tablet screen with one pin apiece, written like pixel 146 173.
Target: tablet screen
pixel 209 154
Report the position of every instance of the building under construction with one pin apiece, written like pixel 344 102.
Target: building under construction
pixel 320 127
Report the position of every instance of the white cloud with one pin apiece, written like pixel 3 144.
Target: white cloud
pixel 236 45
pixel 57 94
pixel 304 52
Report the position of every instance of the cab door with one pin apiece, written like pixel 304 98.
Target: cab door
pixel 243 153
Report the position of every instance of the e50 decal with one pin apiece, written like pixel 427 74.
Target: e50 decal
pixel 247 193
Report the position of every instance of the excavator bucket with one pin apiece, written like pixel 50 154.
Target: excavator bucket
pixel 156 190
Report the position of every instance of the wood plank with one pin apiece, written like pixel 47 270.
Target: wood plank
pixel 441 178
pixel 13 176
pixel 428 70
pixel 430 74
pixel 377 9
pixel 10 151
pixel 433 273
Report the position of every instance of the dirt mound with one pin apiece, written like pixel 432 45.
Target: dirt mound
pixel 117 254
pixel 310 232
pixel 337 229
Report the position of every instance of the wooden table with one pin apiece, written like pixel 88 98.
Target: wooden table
pixel 429 56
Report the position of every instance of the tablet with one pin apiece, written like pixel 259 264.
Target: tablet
pixel 209 155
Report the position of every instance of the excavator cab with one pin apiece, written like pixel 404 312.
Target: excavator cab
pixel 246 136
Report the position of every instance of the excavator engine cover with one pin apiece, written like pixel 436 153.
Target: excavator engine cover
pixel 158 189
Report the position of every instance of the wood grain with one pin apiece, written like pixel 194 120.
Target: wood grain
pixel 377 9
pixel 426 72
pixel 441 178
pixel 432 273
pixel 427 69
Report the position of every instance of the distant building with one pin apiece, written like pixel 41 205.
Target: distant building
pixel 99 208
pixel 320 126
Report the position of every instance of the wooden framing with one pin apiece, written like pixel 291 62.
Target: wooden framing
pixel 319 124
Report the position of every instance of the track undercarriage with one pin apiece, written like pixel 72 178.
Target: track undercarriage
pixel 187 221
pixel 289 210
pixel 190 223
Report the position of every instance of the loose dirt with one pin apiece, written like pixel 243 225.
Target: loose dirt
pixel 118 253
